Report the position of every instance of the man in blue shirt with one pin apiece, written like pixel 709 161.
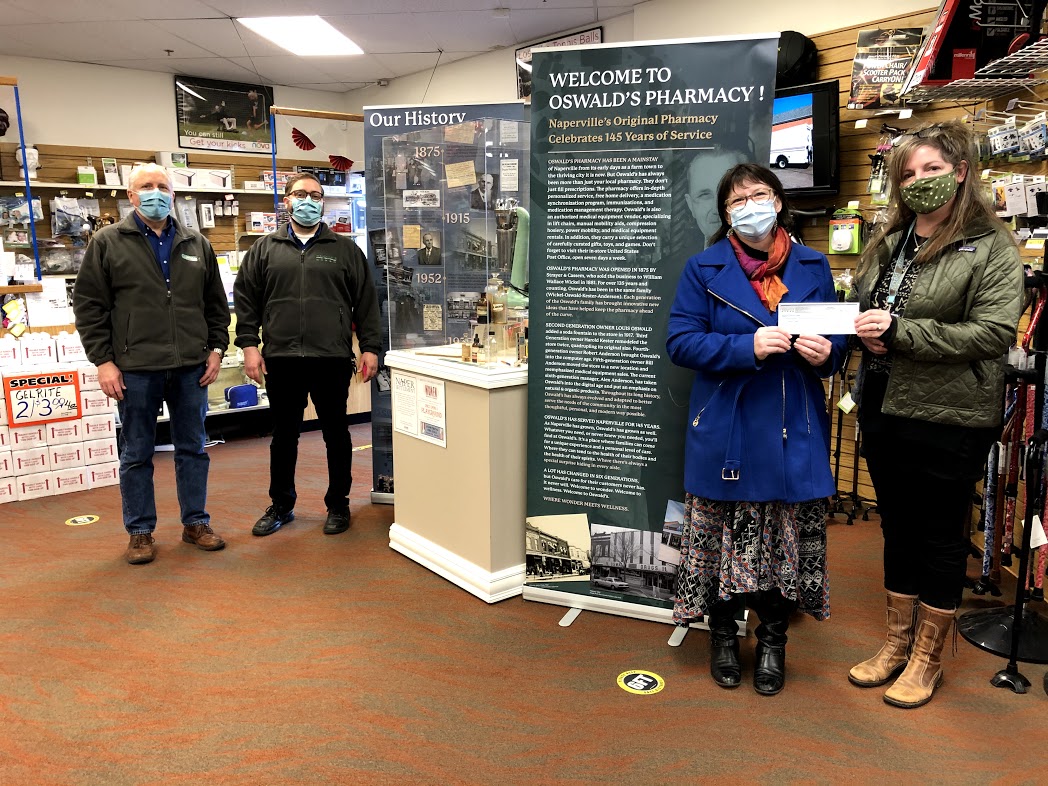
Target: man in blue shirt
pixel 153 316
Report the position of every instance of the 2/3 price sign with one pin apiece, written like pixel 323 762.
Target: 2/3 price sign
pixel 43 397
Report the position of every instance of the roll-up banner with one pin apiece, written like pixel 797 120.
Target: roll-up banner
pixel 379 123
pixel 628 145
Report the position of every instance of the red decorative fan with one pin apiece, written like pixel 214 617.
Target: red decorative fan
pixel 301 140
pixel 341 163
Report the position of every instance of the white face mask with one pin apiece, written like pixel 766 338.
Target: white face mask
pixel 752 221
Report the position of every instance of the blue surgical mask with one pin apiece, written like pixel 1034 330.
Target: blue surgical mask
pixel 154 204
pixel 306 212
pixel 752 221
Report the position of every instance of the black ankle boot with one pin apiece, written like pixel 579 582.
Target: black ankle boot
pixel 769 671
pixel 724 646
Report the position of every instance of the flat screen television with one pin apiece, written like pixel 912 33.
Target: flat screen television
pixel 804 138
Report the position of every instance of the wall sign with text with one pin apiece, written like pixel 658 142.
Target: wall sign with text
pixel 43 397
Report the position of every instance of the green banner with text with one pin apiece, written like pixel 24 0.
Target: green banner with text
pixel 628 145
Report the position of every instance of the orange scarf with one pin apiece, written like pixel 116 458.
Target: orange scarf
pixel 764 275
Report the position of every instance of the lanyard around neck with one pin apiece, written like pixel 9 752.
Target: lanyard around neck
pixel 902 266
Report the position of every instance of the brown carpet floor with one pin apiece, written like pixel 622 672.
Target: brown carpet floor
pixel 301 658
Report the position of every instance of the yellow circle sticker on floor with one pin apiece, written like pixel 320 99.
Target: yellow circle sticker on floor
pixel 79 521
pixel 640 681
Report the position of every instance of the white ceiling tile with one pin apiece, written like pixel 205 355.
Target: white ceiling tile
pixel 220 37
pixel 109 10
pixel 331 87
pixel 465 32
pixel 412 62
pixel 530 25
pixel 285 70
pixel 215 68
pixel 377 33
pixel 93 41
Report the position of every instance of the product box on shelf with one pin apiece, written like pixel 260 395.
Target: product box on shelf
pixel 103 474
pixel 37 349
pixel 217 178
pixel 97 426
pixel 65 432
pixel 8 490
pixel 88 377
pixel 3 412
pixel 100 451
pixel 10 352
pixel 69 349
pixel 6 467
pixel 39 484
pixel 23 437
pixel 95 402
pixel 5 437
pixel 26 462
pixel 65 481
pixel 65 456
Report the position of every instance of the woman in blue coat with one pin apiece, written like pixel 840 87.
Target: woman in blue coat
pixel 756 464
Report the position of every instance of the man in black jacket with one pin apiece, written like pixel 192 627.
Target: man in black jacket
pixel 153 316
pixel 306 288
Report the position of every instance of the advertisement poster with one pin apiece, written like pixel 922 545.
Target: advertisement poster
pixel 418 408
pixel 393 263
pixel 882 60
pixel 227 116
pixel 628 145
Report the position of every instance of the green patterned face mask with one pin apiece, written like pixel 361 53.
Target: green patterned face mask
pixel 929 193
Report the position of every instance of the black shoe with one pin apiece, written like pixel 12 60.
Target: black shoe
pixel 724 644
pixel 769 671
pixel 336 522
pixel 273 519
pixel 724 661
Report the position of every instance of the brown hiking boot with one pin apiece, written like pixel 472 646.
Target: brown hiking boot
pixel 141 549
pixel 203 537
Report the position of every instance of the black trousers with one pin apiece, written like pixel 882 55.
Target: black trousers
pixel 923 518
pixel 326 381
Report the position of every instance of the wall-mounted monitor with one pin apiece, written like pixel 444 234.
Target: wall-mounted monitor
pixel 804 138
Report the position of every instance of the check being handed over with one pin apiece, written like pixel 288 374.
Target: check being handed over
pixel 822 319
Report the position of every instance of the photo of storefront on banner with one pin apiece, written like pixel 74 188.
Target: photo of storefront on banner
pixel 628 145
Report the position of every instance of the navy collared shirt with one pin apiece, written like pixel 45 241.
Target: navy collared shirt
pixel 299 241
pixel 161 244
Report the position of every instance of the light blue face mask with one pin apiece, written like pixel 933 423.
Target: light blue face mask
pixel 752 221
pixel 306 212
pixel 154 204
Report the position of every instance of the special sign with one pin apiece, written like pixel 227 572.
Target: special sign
pixel 44 397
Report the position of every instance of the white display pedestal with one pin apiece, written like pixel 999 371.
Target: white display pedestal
pixel 460 509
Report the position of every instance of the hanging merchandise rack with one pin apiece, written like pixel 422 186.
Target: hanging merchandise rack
pixel 1019 632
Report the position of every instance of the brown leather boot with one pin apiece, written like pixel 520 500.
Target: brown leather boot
pixel 141 549
pixel 923 674
pixel 893 654
pixel 203 537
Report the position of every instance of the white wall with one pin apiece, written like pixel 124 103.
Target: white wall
pixel 100 106
pixel 660 19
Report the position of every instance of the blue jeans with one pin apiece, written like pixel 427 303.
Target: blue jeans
pixel 187 401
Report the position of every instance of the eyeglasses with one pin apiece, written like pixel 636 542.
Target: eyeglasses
pixel 762 197
pixel 929 132
pixel 316 196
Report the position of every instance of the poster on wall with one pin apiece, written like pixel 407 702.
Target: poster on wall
pixel 226 116
pixel 883 57
pixel 387 253
pixel 628 145
pixel 522 57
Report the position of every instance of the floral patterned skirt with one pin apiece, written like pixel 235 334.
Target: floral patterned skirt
pixel 728 548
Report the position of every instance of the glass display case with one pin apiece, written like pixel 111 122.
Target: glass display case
pixel 454 248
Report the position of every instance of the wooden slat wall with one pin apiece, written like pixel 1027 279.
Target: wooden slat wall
pixel 58 164
pixel 836 54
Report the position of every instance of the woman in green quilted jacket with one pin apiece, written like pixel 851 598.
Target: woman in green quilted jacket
pixel 940 291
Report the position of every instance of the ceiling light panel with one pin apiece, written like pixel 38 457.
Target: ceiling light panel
pixel 305 36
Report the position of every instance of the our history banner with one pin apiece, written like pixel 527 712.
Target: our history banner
pixel 381 122
pixel 628 145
